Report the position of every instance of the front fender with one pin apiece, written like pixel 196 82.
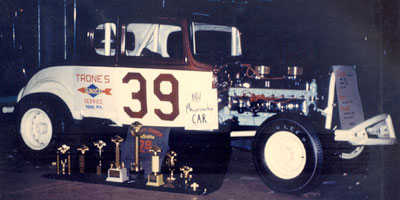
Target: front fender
pixel 56 81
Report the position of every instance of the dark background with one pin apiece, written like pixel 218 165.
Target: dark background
pixel 311 34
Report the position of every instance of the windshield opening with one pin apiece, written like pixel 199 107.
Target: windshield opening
pixel 211 43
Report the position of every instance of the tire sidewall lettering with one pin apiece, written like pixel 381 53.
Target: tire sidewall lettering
pixel 300 132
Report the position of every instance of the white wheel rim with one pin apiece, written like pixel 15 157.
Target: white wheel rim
pixel 285 155
pixel 36 129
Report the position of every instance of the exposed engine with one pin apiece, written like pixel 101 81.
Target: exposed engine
pixel 245 90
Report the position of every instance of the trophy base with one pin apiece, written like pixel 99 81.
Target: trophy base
pixel 137 175
pixel 117 175
pixel 155 180
pixel 170 182
pixel 169 185
pixel 98 170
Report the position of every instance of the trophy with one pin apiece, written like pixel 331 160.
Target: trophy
pixel 64 149
pixel 171 164
pixel 63 163
pixel 185 174
pixel 82 149
pixel 117 173
pixel 99 144
pixel 155 179
pixel 194 186
pixel 136 167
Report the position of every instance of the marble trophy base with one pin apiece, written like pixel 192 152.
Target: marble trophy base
pixel 117 175
pixel 155 180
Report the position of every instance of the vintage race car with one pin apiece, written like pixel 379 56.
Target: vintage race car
pixel 174 72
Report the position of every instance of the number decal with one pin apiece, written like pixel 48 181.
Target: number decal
pixel 145 145
pixel 140 95
pixel 173 97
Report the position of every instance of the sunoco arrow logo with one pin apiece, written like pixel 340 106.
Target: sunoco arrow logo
pixel 93 90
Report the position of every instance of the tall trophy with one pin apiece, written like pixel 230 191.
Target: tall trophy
pixel 117 172
pixel 65 162
pixel 82 149
pixel 171 164
pixel 136 167
pixel 155 178
pixel 99 144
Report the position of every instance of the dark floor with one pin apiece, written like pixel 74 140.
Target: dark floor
pixel 379 179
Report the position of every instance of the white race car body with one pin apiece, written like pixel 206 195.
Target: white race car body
pixel 155 97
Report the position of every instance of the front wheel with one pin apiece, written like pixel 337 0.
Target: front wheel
pixel 42 126
pixel 288 154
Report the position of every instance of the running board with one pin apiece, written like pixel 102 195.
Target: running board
pixel 375 131
pixel 243 133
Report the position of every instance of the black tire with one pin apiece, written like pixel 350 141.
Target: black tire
pixel 299 140
pixel 51 127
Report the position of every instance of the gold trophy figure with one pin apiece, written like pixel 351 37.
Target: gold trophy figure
pixel 63 163
pixel 117 173
pixel 185 174
pixel 99 144
pixel 82 149
pixel 137 131
pixel 171 164
pixel 64 149
pixel 155 179
pixel 194 186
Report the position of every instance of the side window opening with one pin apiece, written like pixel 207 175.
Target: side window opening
pixel 129 41
pixel 153 40
pixel 174 45
pixel 105 39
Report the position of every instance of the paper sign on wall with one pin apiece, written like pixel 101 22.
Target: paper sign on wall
pixel 350 108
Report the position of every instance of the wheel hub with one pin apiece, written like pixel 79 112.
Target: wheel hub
pixel 36 129
pixel 285 155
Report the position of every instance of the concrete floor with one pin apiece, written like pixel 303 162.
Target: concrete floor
pixel 21 180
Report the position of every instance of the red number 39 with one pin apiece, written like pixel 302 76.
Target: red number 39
pixel 141 96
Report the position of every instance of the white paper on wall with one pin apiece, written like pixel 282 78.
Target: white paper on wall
pixel 349 102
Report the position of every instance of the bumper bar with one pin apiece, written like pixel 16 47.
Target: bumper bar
pixel 375 131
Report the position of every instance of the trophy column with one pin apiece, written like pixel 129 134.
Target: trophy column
pixel 82 149
pixel 136 167
pixel 65 162
pixel 99 144
pixel 185 174
pixel 155 179
pixel 117 173
pixel 171 164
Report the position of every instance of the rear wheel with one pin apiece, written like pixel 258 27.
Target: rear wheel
pixel 288 154
pixel 42 126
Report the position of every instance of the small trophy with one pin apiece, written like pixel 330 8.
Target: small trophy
pixel 99 144
pixel 136 167
pixel 185 174
pixel 155 179
pixel 117 173
pixel 82 149
pixel 64 149
pixel 171 164
pixel 194 186
pixel 63 163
